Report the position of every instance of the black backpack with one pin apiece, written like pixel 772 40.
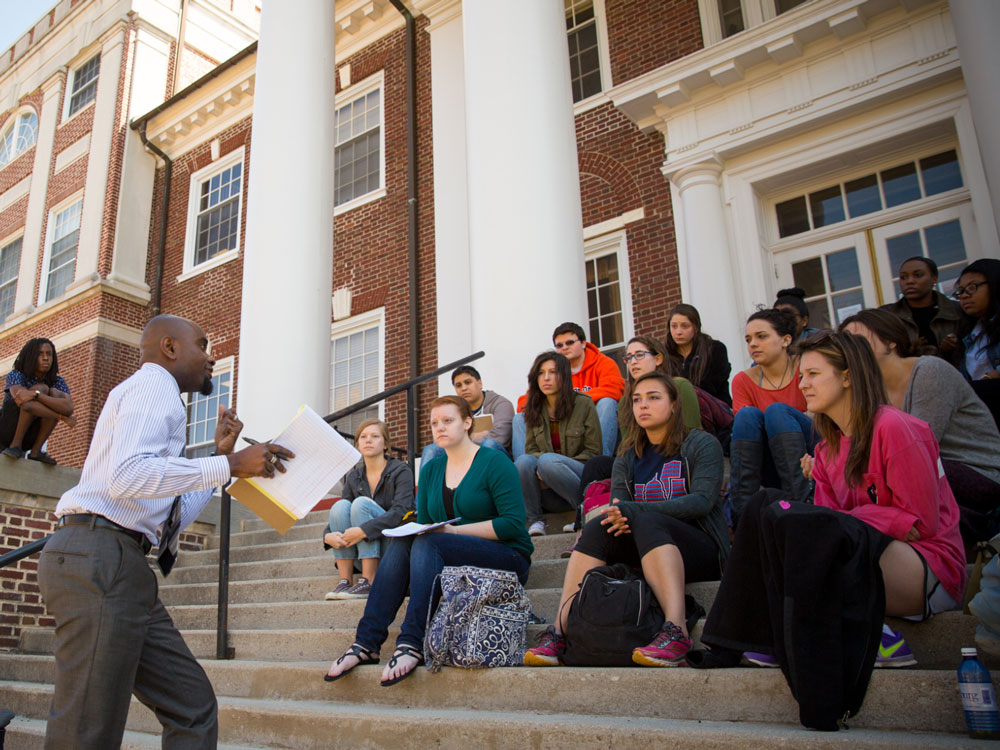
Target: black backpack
pixel 613 613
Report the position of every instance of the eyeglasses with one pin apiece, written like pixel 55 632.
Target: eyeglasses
pixel 567 344
pixel 968 290
pixel 638 356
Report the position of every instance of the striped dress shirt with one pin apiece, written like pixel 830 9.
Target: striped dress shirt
pixel 133 472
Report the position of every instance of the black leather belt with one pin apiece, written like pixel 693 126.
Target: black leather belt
pixel 91 519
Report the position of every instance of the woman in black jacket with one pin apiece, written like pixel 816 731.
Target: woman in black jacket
pixel 359 517
pixel 696 355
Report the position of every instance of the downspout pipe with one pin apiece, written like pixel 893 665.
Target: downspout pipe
pixel 411 169
pixel 161 241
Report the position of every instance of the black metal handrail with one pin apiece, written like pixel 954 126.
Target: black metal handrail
pixel 15 555
pixel 222 649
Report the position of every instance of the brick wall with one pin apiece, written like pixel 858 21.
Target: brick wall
pixel 644 35
pixel 20 602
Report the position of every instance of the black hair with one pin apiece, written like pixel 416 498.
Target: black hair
pixel 27 361
pixel 931 265
pixel 465 370
pixel 794 296
pixel 535 405
pixel 990 268
pixel 781 321
pixel 569 328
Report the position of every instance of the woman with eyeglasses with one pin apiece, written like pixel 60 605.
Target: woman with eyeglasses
pixel 931 318
pixel 932 390
pixel 696 355
pixel 978 293
pixel 771 431
pixel 563 432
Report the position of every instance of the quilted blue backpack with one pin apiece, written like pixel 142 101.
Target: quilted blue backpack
pixel 481 619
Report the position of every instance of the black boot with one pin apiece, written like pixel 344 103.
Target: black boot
pixel 746 457
pixel 787 449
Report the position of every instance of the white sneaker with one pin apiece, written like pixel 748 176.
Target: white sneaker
pixel 537 529
pixel 570 527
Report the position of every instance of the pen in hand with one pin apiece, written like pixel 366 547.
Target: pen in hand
pixel 251 441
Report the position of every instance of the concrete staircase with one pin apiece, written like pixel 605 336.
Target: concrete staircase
pixel 285 635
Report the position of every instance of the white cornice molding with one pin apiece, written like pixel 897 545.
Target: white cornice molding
pixel 92 329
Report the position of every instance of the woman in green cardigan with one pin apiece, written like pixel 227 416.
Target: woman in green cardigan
pixel 563 431
pixel 481 489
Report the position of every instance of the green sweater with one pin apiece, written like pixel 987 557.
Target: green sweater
pixel 489 491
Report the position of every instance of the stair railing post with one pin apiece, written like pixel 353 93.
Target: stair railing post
pixel 222 650
pixel 411 428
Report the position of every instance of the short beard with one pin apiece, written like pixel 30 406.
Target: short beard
pixel 206 387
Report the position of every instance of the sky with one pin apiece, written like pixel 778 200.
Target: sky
pixel 19 16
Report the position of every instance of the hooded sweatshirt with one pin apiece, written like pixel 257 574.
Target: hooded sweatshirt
pixel 599 377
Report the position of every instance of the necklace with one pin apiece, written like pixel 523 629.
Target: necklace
pixel 763 377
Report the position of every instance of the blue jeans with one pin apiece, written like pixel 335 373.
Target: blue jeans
pixel 561 473
pixel 347 513
pixel 433 451
pixel 412 563
pixel 607 415
pixel 519 433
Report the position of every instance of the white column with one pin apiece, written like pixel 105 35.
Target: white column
pixel 976 23
pixel 525 225
pixel 99 159
pixel 710 284
pixel 31 250
pixel 288 256
pixel 451 207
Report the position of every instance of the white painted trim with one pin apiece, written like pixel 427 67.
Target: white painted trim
pixel 12 122
pixel 615 243
pixel 81 59
pixel 71 153
pixel 618 222
pixel 345 97
pixel 15 192
pixel 356 324
pixel 50 224
pixel 237 156
pixel 92 329
pixel 224 365
pixel 604 62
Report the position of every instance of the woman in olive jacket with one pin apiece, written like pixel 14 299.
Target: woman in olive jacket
pixel 563 431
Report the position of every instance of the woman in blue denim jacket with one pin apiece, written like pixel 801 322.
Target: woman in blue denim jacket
pixel 978 293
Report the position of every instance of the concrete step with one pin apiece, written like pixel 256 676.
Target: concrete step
pixel 29 734
pixel 256 524
pixel 464 712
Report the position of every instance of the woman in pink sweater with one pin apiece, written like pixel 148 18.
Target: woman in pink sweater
pixel 882 466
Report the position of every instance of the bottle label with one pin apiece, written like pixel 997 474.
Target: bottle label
pixel 977 696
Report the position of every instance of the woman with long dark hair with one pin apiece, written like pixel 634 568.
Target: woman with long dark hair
pixel 696 355
pixel 563 432
pixel 36 399
pixel 666 518
pixel 479 487
pixel 932 390
pixel 771 431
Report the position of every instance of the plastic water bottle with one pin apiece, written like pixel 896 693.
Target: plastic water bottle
pixel 978 698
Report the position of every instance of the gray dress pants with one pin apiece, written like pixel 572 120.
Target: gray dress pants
pixel 114 638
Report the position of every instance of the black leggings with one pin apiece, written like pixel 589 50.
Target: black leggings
pixel 977 496
pixel 652 530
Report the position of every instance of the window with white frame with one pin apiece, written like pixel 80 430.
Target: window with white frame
pixel 358 155
pixel 214 211
pixel 10 261
pixel 20 135
pixel 609 299
pixel 356 352
pixel 203 411
pixel 721 19
pixel 84 88
pixel 584 52
pixel 61 267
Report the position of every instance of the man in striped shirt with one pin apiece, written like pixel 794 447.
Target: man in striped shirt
pixel 113 635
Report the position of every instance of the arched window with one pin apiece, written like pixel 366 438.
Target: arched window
pixel 19 136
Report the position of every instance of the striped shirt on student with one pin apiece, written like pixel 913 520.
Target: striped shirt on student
pixel 133 470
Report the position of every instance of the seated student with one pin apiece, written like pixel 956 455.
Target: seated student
pixel 932 390
pixel 562 433
pixel 931 318
pixel 480 487
pixel 880 467
pixel 36 398
pixel 377 493
pixel 469 385
pixel 793 301
pixel 771 432
pixel 696 355
pixel 594 374
pixel 977 295
pixel 667 519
